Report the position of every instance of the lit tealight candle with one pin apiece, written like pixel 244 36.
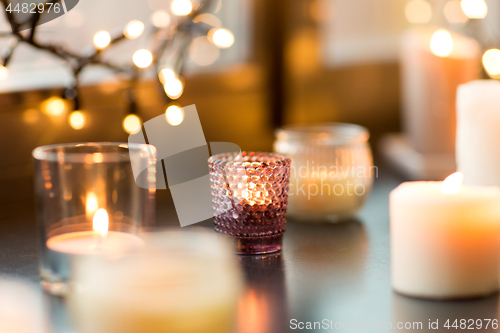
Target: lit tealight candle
pixel 97 241
pixel 445 239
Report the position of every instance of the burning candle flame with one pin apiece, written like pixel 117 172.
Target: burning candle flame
pixel 101 221
pixel 91 204
pixel 452 184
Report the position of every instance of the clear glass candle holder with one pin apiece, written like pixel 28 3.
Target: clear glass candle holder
pixel 179 282
pixel 332 170
pixel 88 204
pixel 249 196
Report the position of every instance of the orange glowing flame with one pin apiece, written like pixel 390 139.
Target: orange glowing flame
pixel 91 204
pixel 452 184
pixel 101 221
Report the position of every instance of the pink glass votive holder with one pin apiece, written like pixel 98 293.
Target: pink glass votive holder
pixel 249 196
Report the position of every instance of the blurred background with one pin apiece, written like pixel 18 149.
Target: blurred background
pixel 293 61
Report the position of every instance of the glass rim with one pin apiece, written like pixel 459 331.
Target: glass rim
pixel 218 161
pixel 329 133
pixel 50 152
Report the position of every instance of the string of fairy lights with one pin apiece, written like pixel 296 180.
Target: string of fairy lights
pixel 464 13
pixel 176 34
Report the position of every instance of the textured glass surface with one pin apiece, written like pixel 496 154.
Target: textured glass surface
pixel 250 195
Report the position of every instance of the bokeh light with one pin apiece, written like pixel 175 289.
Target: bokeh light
pixel 174 88
pixel 475 9
pixel 4 73
pixel 166 74
pixel 441 43
pixel 203 52
pixel 77 120
pixel 160 19
pixel 133 29
pixel 418 11
pixel 223 38
pixel 132 124
pixel 491 62
pixel 142 58
pixel 181 7
pixel 53 106
pixel 454 13
pixel 102 39
pixel 174 115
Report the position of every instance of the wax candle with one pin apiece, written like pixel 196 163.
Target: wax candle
pixel 97 241
pixel 429 79
pixel 445 239
pixel 179 282
pixel 331 172
pixel 478 134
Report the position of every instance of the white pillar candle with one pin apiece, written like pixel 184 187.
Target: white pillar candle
pixel 429 83
pixel 445 239
pixel 478 132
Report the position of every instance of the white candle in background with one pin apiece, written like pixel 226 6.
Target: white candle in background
pixel 445 239
pixel 429 81
pixel 478 132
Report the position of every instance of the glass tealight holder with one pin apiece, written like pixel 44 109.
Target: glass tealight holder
pixel 89 204
pixel 332 170
pixel 249 196
pixel 179 282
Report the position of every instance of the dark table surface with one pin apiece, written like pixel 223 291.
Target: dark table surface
pixel 332 272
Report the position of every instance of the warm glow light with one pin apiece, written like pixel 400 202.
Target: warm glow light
pixel 174 115
pixel 77 120
pixel 31 116
pixel 452 184
pixel 181 7
pixel 173 88
pixel 441 43
pixel 142 58
pixel 132 124
pixel 454 13
pixel 491 61
pixel 160 19
pixel 101 221
pixel 102 39
pixel 475 9
pixel 203 52
pixel 223 38
pixel 166 74
pixel 133 29
pixel 91 204
pixel 4 73
pixel 53 106
pixel 418 11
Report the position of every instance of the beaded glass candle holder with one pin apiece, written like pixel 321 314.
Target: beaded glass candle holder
pixel 249 195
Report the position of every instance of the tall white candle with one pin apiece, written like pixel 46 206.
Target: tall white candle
pixel 429 84
pixel 445 245
pixel 478 132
